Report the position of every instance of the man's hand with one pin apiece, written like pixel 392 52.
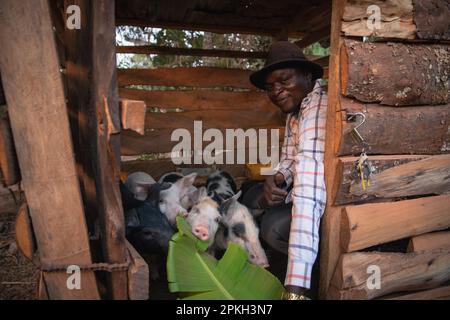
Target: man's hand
pixel 273 194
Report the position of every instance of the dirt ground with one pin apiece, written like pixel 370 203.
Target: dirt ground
pixel 18 276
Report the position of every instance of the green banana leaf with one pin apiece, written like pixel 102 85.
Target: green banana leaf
pixel 197 275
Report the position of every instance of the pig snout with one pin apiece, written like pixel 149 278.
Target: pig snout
pixel 201 232
pixel 258 256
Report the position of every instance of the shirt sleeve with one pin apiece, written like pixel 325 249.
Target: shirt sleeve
pixel 286 166
pixel 309 193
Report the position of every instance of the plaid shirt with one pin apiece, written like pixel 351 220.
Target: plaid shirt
pixel 302 163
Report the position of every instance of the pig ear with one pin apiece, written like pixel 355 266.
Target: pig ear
pixel 187 181
pixel 227 203
pixel 198 195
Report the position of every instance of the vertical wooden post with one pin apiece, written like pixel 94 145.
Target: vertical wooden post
pixel 40 125
pixel 330 248
pixel 94 108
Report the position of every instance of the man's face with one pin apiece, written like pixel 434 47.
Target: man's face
pixel 287 88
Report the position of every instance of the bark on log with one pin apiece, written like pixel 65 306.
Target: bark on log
pixel 348 175
pixel 405 19
pixel 430 241
pixel 392 130
pixel 398 272
pixel 396 74
pixel 432 18
pixel 396 19
pixel 423 177
pixel 40 125
pixel 368 225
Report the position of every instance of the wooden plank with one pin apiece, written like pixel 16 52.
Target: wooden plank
pixel 9 167
pixel 41 129
pixel 157 168
pixel 430 241
pixel 205 77
pixel 159 140
pixel 348 175
pixel 24 233
pixel 329 241
pixel 396 20
pixel 191 52
pixel 398 271
pixel 105 104
pixel 423 177
pixel 194 100
pixel 396 74
pixel 432 294
pixel 368 225
pixel 392 130
pixel 432 18
pixel 220 119
pixel 133 115
pixel 138 276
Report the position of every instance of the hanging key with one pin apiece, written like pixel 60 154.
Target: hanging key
pixel 355 131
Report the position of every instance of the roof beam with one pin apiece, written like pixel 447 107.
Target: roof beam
pixel 313 37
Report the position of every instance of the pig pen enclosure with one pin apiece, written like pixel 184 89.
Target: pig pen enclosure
pixel 77 125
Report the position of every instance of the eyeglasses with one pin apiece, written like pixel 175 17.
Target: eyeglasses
pixel 285 83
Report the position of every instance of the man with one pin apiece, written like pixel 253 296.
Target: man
pixel 295 86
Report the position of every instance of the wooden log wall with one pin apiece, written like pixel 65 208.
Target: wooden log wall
pixel 399 78
pixel 203 99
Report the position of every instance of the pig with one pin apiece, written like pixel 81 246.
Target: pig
pixel 138 183
pixel 221 186
pixel 204 216
pixel 147 228
pixel 177 199
pixel 186 200
pixel 237 223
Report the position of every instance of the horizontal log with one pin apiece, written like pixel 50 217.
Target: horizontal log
pixel 204 77
pixel 219 119
pixel 423 177
pixel 432 18
pixel 159 141
pixel 368 225
pixel 396 19
pixel 347 176
pixel 191 52
pixel 392 130
pixel 194 100
pixel 406 19
pixel 395 74
pixel 398 272
pixel 133 115
pixel 432 294
pixel 157 168
pixel 430 241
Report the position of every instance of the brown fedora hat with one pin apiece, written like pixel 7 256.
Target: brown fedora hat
pixel 284 54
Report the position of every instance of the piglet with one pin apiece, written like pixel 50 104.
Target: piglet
pixel 238 225
pixel 138 183
pixel 204 217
